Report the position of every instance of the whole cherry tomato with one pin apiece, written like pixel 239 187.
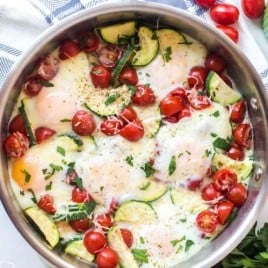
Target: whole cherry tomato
pixel 199 102
pixel 48 67
pixel 127 237
pixel 207 221
pixel 242 134
pixel 185 112
pixel 111 126
pixel 43 133
pixel 17 124
pixel 32 86
pixel 128 76
pixel 205 3
pixel 105 221
pixel 68 49
pixel 46 203
pixel 80 195
pixel 224 13
pixel 127 115
pixel 107 258
pixel 209 192
pixel 224 209
pixel 194 184
pixel 16 144
pixel 83 123
pixel 133 131
pixel 236 152
pixel 94 241
pixel 100 76
pixel 215 62
pixel 143 96
pixel 230 31
pixel 81 225
pixel 109 55
pixel 238 112
pixel 237 195
pixel 88 41
pixel 224 179
pixel 197 76
pixel 253 9
pixel 170 105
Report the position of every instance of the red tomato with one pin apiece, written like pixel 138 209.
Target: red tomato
pixel 133 131
pixel 253 9
pixel 48 67
pixel 230 31
pixel 179 92
pixel 236 153
pixel 194 184
pixel 81 225
pixel 46 203
pixel 43 133
pixel 68 49
pixel 171 105
pixel 127 115
pixel 209 192
pixel 143 96
pixel 224 179
pixel 237 195
pixel 238 112
pixel 224 13
pixel 16 145
pixel 94 241
pixel 17 124
pixel 113 205
pixel 207 221
pixel 100 76
pixel 32 86
pixel 80 196
pixel 71 176
pixel 127 237
pixel 215 62
pixel 105 221
pixel 88 41
pixel 83 123
pixel 107 258
pixel 199 102
pixel 205 3
pixel 242 134
pixel 111 126
pixel 129 76
pixel 197 77
pixel 185 112
pixel 224 209
pixel 109 55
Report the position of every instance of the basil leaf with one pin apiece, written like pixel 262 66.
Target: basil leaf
pixel 140 255
pixel 148 169
pixel 221 143
pixel 172 165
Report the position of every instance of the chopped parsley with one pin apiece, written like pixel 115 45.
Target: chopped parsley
pixel 78 182
pixel 140 255
pixel 167 54
pixel 213 135
pixel 145 186
pixel 34 199
pixel 148 169
pixel 27 177
pixel 172 165
pixel 129 160
pixel 65 120
pixel 50 172
pixel 207 152
pixel 142 240
pixel 221 143
pixel 188 244
pixel 174 242
pixel 61 150
pixel 111 99
pixel 49 186
pixel 216 114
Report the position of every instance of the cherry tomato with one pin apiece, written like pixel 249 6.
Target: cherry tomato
pixel 197 77
pixel 224 179
pixel 242 134
pixel 127 237
pixel 143 96
pixel 17 124
pixel 253 9
pixel 185 112
pixel 215 62
pixel 32 86
pixel 171 105
pixel 236 153
pixel 209 192
pixel 48 67
pixel 238 112
pixel 127 115
pixel 94 241
pixel 100 76
pixel 83 123
pixel 71 176
pixel 81 225
pixel 88 41
pixel 113 205
pixel 199 102
pixel 224 209
pixel 16 144
pixel 80 196
pixel 46 203
pixel 107 258
pixel 205 3
pixel 179 92
pixel 207 221
pixel 133 131
pixel 68 49
pixel 105 221
pixel 43 133
pixel 237 195
pixel 111 126
pixel 230 31
pixel 109 55
pixel 224 13
pixel 129 76
pixel 194 184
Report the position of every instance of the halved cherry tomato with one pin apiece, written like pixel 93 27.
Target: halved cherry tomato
pixel 83 123
pixel 100 76
pixel 48 67
pixel 94 241
pixel 16 144
pixel 237 195
pixel 127 236
pixel 109 55
pixel 32 86
pixel 46 203
pixel 224 13
pixel 242 134
pixel 107 258
pixel 88 41
pixel 129 76
pixel 194 184
pixel 17 124
pixel 81 225
pixel 238 112
pixel 43 133
pixel 170 105
pixel 224 179
pixel 80 195
pixel 197 77
pixel 253 9
pixel 236 152
pixel 205 3
pixel 230 31
pixel 199 102
pixel 111 126
pixel 105 221
pixel 143 96
pixel 68 49
pixel 133 131
pixel 209 192
pixel 215 62
pixel 207 221
pixel 185 112
pixel 224 209
pixel 127 115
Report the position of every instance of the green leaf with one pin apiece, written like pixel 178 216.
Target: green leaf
pixel 167 54
pixel 140 255
pixel 129 160
pixel 216 114
pixel 263 235
pixel 65 120
pixel 27 177
pixel 148 169
pixel 49 186
pixel 221 143
pixel 78 182
pixel 172 165
pixel 111 99
pixel 188 244
pixel 34 199
pixel 61 150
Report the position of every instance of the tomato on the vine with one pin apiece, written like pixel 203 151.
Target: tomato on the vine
pixel 207 221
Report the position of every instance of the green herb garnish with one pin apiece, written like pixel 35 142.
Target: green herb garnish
pixel 172 165
pixel 61 150
pixel 111 99
pixel 167 54
pixel 129 160
pixel 148 169
pixel 27 177
pixel 140 255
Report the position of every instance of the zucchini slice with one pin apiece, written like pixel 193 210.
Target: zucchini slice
pixel 44 224
pixel 241 168
pixel 116 242
pixel 112 33
pixel 265 22
pixel 148 44
pixel 135 212
pixel 219 91
pixel 77 249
